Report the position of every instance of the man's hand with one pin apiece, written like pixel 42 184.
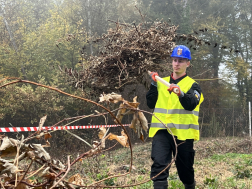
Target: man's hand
pixel 176 87
pixel 153 79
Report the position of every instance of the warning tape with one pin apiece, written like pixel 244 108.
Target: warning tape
pixel 25 129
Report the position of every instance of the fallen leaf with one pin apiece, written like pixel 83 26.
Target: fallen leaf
pixel 59 164
pixel 2 136
pixel 30 154
pixel 22 185
pixel 47 174
pixel 76 179
pixel 39 151
pixel 50 176
pixel 8 147
pixel 7 167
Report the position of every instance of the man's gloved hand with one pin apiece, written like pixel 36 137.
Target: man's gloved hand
pixel 153 79
pixel 176 87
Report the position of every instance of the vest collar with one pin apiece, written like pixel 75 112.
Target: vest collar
pixel 177 80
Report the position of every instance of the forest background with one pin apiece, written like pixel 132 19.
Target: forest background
pixel 39 36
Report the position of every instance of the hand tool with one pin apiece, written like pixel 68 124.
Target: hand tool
pixel 164 82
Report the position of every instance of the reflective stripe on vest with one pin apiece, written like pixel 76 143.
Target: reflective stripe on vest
pixel 177 126
pixel 175 111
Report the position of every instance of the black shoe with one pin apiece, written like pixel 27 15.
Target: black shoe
pixel 191 186
pixel 160 184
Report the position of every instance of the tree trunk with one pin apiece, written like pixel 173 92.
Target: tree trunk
pixel 12 39
pixel 89 26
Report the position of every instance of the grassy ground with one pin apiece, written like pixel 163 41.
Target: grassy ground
pixel 219 163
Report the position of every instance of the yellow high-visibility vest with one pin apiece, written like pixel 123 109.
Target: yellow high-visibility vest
pixel 182 123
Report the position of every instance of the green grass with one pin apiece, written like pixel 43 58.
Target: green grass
pixel 213 169
pixel 228 156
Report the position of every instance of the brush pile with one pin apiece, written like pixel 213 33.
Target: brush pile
pixel 127 52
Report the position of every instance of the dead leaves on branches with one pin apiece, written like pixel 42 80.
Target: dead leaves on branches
pixel 139 121
pixel 49 172
pixel 8 150
pixel 123 139
pixel 14 154
pixel 112 97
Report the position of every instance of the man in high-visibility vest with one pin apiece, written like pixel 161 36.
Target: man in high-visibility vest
pixel 178 111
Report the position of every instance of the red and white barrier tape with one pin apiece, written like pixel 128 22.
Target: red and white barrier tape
pixel 24 129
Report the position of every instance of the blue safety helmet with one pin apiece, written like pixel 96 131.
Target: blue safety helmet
pixel 181 51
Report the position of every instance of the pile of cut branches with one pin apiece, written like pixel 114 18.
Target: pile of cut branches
pixel 127 53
